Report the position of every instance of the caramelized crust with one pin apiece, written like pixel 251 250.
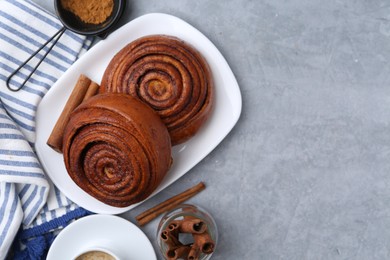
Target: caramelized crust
pixel 170 76
pixel 116 149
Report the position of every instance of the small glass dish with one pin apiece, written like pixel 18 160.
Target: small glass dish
pixel 181 212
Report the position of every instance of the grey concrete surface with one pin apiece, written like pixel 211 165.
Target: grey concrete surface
pixel 305 173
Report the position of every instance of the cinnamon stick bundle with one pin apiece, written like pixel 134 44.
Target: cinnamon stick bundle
pixel 84 89
pixel 202 240
pixel 169 204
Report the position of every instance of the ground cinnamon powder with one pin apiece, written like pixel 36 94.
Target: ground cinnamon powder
pixel 90 11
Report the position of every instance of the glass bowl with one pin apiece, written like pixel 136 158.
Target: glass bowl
pixel 179 213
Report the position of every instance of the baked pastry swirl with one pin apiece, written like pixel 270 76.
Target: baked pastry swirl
pixel 170 76
pixel 116 149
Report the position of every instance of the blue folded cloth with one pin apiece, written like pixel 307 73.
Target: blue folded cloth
pixel 32 210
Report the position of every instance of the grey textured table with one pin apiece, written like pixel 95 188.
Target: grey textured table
pixel 305 172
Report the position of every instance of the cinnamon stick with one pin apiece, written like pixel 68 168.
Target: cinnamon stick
pixel 92 90
pixel 204 242
pixel 170 239
pixel 194 253
pixel 169 204
pixel 83 89
pixel 173 227
pixel 192 225
pixel 180 252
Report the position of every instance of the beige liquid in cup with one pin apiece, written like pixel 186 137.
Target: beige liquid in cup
pixel 95 255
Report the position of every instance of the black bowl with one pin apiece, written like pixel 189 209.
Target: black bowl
pixel 75 24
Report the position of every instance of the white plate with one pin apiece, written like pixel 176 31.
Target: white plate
pixel 93 64
pixel 118 235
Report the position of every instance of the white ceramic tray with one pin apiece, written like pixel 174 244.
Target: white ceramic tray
pixel 226 112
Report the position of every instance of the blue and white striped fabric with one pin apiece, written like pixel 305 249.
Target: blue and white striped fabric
pixel 27 199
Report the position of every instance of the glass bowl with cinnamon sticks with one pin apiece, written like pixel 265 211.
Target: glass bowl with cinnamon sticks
pixel 187 232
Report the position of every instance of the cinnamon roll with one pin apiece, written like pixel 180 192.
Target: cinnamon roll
pixel 116 149
pixel 170 76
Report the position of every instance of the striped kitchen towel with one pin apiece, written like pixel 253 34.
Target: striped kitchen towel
pixel 31 209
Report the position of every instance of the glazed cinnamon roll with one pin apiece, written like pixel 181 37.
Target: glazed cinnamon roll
pixel 116 149
pixel 170 76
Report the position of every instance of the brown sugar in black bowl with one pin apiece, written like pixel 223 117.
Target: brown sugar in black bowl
pixel 89 25
pixel 72 22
